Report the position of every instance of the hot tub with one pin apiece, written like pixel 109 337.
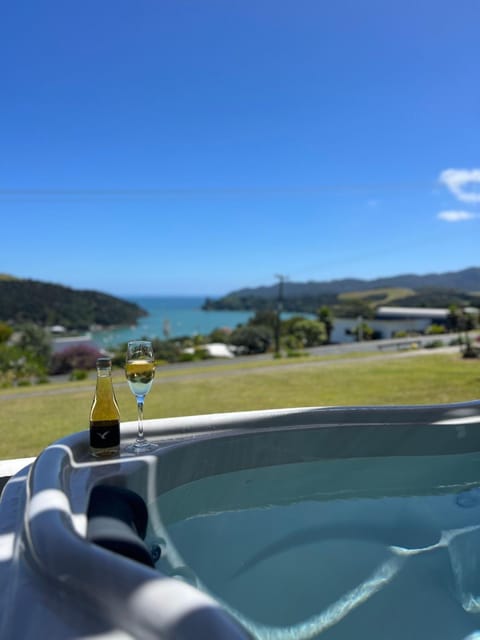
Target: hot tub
pixel 308 523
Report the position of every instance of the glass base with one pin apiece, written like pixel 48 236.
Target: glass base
pixel 141 446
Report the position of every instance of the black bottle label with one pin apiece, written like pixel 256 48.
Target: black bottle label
pixel 104 434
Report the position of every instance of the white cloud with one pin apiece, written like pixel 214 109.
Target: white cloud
pixel 456 181
pixel 456 216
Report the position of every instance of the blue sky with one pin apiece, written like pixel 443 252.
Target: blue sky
pixel 195 147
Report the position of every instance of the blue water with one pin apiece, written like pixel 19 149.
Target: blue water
pixel 335 549
pixel 183 315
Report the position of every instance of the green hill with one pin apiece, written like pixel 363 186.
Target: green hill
pixel 49 304
pixel 351 297
pixel 378 296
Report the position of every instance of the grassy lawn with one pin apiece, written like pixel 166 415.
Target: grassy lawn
pixel 33 417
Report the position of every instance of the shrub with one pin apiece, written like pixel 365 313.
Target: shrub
pixel 435 329
pixel 470 352
pixel 198 354
pixel 74 357
pixel 78 374
pixel 296 354
pixel 433 344
pixel 363 331
pixel 187 357
pixel 5 332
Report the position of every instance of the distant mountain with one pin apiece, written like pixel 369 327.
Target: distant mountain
pixel 434 289
pixel 466 280
pixel 49 304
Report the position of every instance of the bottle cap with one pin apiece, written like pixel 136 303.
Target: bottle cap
pixel 104 363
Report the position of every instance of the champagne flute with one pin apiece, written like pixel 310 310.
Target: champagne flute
pixel 140 371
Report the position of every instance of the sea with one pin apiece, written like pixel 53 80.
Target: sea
pixel 171 317
pixel 175 317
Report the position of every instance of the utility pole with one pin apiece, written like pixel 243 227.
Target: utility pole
pixel 360 329
pixel 281 280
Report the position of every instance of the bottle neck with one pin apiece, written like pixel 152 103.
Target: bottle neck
pixel 104 401
pixel 104 381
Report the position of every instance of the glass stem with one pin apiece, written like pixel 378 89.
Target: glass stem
pixel 140 400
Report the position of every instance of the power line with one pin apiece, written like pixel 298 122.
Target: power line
pixel 158 193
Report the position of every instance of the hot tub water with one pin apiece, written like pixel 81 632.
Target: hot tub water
pixel 333 548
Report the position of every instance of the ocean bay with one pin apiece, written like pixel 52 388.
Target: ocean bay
pixel 181 316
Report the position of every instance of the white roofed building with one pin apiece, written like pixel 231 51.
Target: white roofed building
pixel 413 313
pixel 390 320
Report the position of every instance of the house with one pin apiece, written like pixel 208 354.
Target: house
pixel 390 320
pixel 426 314
pixel 214 350
pixel 409 319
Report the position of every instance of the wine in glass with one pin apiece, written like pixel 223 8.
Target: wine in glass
pixel 140 371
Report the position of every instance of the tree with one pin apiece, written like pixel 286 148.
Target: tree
pixel 36 343
pixel 220 335
pixel 5 332
pixel 8 356
pixel 167 350
pixel 18 367
pixel 46 304
pixel 254 338
pixel 325 315
pixel 266 318
pixel 459 319
pixel 453 318
pixel 308 333
pixel 363 331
